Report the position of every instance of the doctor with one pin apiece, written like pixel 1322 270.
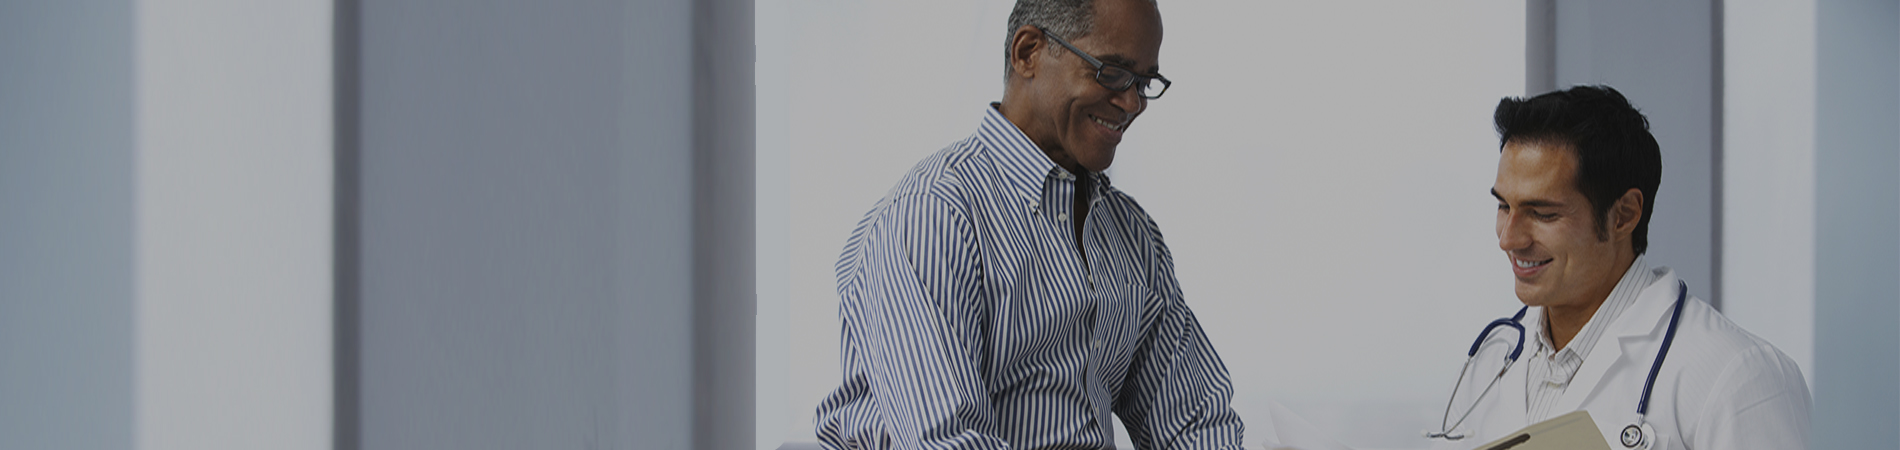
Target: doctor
pixel 1576 185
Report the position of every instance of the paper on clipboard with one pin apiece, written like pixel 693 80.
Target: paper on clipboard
pixel 1574 431
pixel 1292 432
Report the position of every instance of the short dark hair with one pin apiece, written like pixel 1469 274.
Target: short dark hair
pixel 1609 137
pixel 1070 19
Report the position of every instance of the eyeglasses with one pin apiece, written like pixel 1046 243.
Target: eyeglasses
pixel 1116 78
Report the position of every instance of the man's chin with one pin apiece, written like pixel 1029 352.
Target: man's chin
pixel 1099 161
pixel 1530 294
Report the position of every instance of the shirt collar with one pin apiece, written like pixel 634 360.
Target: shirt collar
pixel 1025 169
pixel 1627 290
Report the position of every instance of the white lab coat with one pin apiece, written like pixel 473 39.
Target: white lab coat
pixel 1720 387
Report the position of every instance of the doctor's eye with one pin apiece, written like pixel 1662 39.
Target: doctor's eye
pixel 1542 216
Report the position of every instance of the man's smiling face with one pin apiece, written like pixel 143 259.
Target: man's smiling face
pixel 1560 254
pixel 1079 119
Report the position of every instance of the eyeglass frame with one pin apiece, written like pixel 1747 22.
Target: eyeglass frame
pixel 1100 66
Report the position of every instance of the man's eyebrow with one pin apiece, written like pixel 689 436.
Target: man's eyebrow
pixel 1124 62
pixel 1529 203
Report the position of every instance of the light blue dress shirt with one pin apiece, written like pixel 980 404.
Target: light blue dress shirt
pixel 970 321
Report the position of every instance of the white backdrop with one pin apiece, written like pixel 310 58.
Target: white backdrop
pixel 1319 168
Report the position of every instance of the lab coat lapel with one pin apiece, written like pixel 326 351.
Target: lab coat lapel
pixel 1639 321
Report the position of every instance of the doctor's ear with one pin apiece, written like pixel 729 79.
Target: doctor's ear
pixel 1024 47
pixel 1627 212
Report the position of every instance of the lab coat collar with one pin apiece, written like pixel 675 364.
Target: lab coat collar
pixel 1648 318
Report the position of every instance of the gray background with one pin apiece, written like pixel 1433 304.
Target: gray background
pixel 1856 374
pixel 548 210
pixel 1663 56
pixel 555 226
pixel 66 196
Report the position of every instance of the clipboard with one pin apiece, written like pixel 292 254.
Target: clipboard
pixel 1574 431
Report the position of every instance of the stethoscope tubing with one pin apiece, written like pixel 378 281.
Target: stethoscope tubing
pixel 1516 322
pixel 1669 337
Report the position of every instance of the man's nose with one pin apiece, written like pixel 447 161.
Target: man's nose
pixel 1130 101
pixel 1511 232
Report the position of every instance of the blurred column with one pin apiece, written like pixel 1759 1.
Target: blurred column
pixel 1768 250
pixel 233 224
pixel 1856 372
pixel 164 212
pixel 66 224
pixel 553 225
pixel 1664 56
pixel 1814 203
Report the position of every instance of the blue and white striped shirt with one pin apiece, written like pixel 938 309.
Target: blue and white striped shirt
pixel 970 322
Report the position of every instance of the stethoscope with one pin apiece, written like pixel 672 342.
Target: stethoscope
pixel 1636 435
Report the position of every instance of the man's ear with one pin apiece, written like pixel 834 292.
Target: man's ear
pixel 1627 212
pixel 1024 46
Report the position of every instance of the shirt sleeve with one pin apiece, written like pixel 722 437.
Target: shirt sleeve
pixel 1178 392
pixel 915 323
pixel 1760 401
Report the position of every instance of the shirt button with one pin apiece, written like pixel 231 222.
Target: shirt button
pixel 1098 343
pixel 1062 217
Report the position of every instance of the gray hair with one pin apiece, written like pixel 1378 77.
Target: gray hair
pixel 1070 19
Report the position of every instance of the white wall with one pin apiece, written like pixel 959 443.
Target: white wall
pixel 1320 170
pixel 233 224
pixel 1768 166
pixel 165 177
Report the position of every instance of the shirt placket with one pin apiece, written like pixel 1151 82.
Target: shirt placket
pixel 1062 192
pixel 1097 294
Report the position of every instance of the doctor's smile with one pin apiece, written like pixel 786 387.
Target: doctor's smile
pixel 1526 268
pixel 1577 177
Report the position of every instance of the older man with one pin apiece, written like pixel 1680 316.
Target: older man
pixel 1004 294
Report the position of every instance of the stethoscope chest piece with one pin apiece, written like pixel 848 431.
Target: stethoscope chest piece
pixel 1632 436
pixel 1639 437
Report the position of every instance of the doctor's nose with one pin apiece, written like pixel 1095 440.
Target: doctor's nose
pixel 1511 233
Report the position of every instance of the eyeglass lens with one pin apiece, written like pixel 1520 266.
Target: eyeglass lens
pixel 1117 78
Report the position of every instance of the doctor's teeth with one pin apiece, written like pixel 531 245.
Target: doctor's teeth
pixel 1527 264
pixel 1106 124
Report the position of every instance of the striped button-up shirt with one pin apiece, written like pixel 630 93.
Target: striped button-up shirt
pixel 971 322
pixel 1551 369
